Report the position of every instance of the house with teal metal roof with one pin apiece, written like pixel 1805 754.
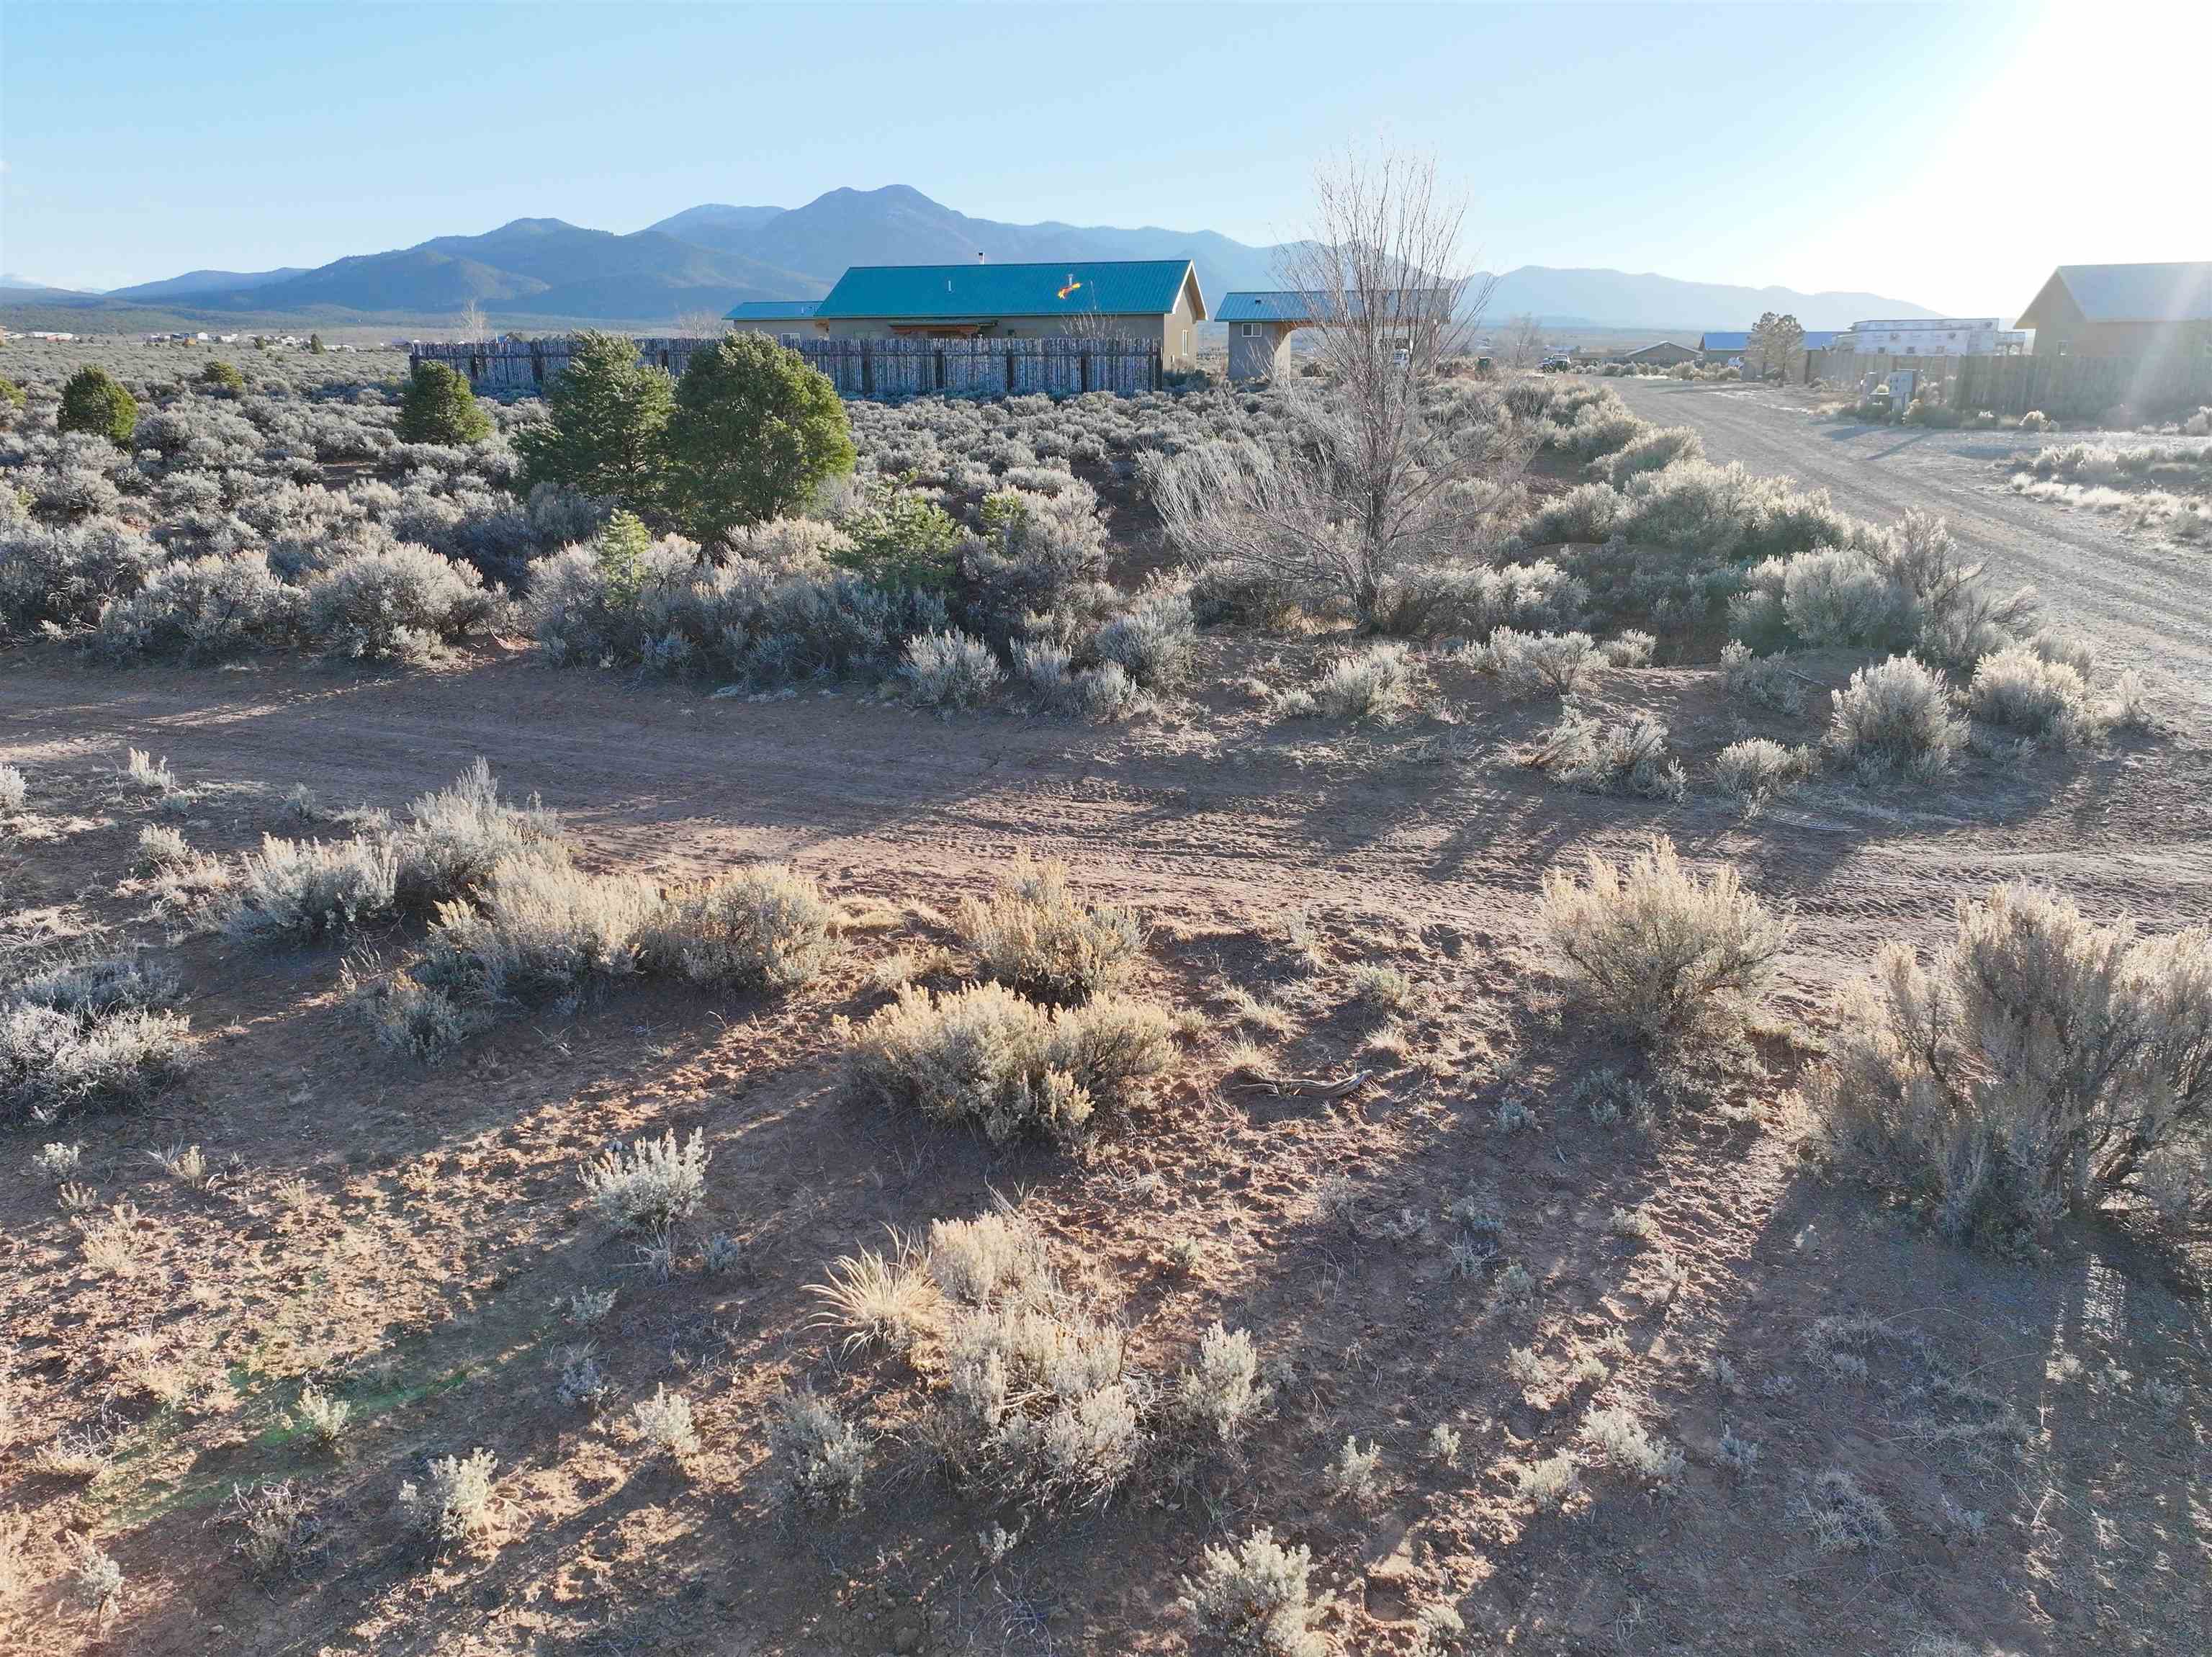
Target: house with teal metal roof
pixel 1155 300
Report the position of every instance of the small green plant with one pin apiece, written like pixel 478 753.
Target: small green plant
pixel 437 406
pixel 92 402
pixel 901 539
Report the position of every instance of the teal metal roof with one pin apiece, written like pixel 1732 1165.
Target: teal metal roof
pixel 771 310
pixel 1130 286
pixel 2180 292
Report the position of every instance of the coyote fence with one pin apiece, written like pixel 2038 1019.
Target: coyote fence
pixel 2071 387
pixel 858 368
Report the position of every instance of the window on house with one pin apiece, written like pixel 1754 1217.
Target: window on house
pixel 1251 330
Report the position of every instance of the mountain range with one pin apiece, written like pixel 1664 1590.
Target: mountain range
pixel 537 271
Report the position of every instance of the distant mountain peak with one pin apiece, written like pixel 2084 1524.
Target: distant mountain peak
pixel 715 255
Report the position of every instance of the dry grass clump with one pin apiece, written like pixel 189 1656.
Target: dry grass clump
pixel 1536 664
pixel 1627 1444
pixel 821 1460
pixel 536 930
pixel 762 927
pixel 649 1185
pixel 89 1033
pixel 2023 690
pixel 1041 1398
pixel 1610 756
pixel 1036 936
pixel 949 669
pixel 1376 682
pixel 1769 681
pixel 1254 1599
pixel 2042 1066
pixel 1757 768
pixel 278 1532
pixel 1222 1394
pixel 1895 717
pixel 1658 952
pixel 456 836
pixel 14 790
pixel 878 1299
pixel 453 1502
pixel 987 1054
pixel 294 890
pixel 1035 1393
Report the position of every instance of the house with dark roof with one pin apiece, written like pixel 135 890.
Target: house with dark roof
pixel 1663 354
pixel 773 316
pixel 1155 302
pixel 2145 311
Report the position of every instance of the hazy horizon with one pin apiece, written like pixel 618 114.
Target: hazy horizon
pixel 1728 144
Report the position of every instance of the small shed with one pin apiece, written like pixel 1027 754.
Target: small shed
pixel 774 316
pixel 1261 323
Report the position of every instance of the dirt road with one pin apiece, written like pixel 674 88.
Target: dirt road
pixel 2146 603
pixel 1213 811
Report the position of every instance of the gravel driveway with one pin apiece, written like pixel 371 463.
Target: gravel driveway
pixel 2146 603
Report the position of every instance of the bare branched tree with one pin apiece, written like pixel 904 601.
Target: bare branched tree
pixel 1385 471
pixel 700 324
pixel 471 323
pixel 1524 342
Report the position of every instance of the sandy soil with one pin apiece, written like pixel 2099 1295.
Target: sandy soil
pixel 2035 1430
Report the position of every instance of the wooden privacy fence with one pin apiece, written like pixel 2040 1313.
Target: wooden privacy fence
pixel 858 368
pixel 2073 387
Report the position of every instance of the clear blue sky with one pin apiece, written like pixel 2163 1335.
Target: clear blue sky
pixel 1893 149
